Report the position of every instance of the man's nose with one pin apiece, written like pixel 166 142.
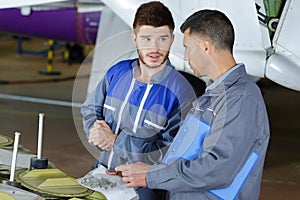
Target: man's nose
pixel 154 45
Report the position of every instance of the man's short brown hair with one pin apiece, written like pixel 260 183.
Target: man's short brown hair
pixel 155 14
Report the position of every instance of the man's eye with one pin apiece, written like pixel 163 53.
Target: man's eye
pixel 146 39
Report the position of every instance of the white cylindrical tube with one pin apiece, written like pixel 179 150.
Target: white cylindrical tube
pixel 14 158
pixel 40 136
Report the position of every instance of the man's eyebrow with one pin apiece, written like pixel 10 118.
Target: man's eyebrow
pixel 144 36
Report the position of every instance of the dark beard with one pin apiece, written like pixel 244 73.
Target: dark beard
pixel 141 58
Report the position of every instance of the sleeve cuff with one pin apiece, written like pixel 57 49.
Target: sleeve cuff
pixel 152 176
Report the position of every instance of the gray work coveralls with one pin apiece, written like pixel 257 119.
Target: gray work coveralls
pixel 234 107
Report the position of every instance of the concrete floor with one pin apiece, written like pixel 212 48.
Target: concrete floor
pixel 62 143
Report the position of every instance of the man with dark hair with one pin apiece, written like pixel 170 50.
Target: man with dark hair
pixel 232 106
pixel 135 111
pixel 153 14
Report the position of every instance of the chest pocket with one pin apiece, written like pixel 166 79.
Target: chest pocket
pixel 207 114
pixel 111 108
pixel 208 107
pixel 154 123
pixel 109 113
pixel 149 127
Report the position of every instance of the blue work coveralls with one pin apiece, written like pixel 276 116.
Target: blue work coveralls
pixel 145 116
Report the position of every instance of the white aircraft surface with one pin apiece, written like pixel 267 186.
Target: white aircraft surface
pixel 276 59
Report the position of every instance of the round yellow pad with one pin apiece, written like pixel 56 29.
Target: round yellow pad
pixel 5 141
pixel 5 196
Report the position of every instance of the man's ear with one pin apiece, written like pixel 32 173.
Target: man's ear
pixel 173 37
pixel 133 37
pixel 206 45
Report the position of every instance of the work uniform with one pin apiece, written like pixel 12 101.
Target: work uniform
pixel 234 108
pixel 145 116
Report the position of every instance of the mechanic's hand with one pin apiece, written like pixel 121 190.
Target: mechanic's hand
pixel 134 175
pixel 102 136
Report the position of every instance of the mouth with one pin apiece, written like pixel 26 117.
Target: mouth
pixel 154 57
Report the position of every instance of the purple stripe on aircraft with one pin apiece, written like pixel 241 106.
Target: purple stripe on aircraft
pixel 60 24
pixel 89 23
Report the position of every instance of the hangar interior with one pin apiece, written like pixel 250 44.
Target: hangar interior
pixel 20 77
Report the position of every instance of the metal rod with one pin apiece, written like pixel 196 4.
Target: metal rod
pixel 14 158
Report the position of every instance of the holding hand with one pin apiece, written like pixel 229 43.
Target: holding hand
pixel 134 175
pixel 102 136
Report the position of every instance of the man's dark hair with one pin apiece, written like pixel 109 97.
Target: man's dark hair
pixel 212 24
pixel 155 14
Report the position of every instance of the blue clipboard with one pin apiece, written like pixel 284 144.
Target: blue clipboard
pixel 189 140
pixel 188 145
pixel 235 187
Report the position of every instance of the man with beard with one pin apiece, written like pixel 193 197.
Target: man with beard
pixel 136 109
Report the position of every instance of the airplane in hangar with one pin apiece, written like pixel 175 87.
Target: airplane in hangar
pixel 107 23
pixel 66 25
pixel 66 21
pixel 276 58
